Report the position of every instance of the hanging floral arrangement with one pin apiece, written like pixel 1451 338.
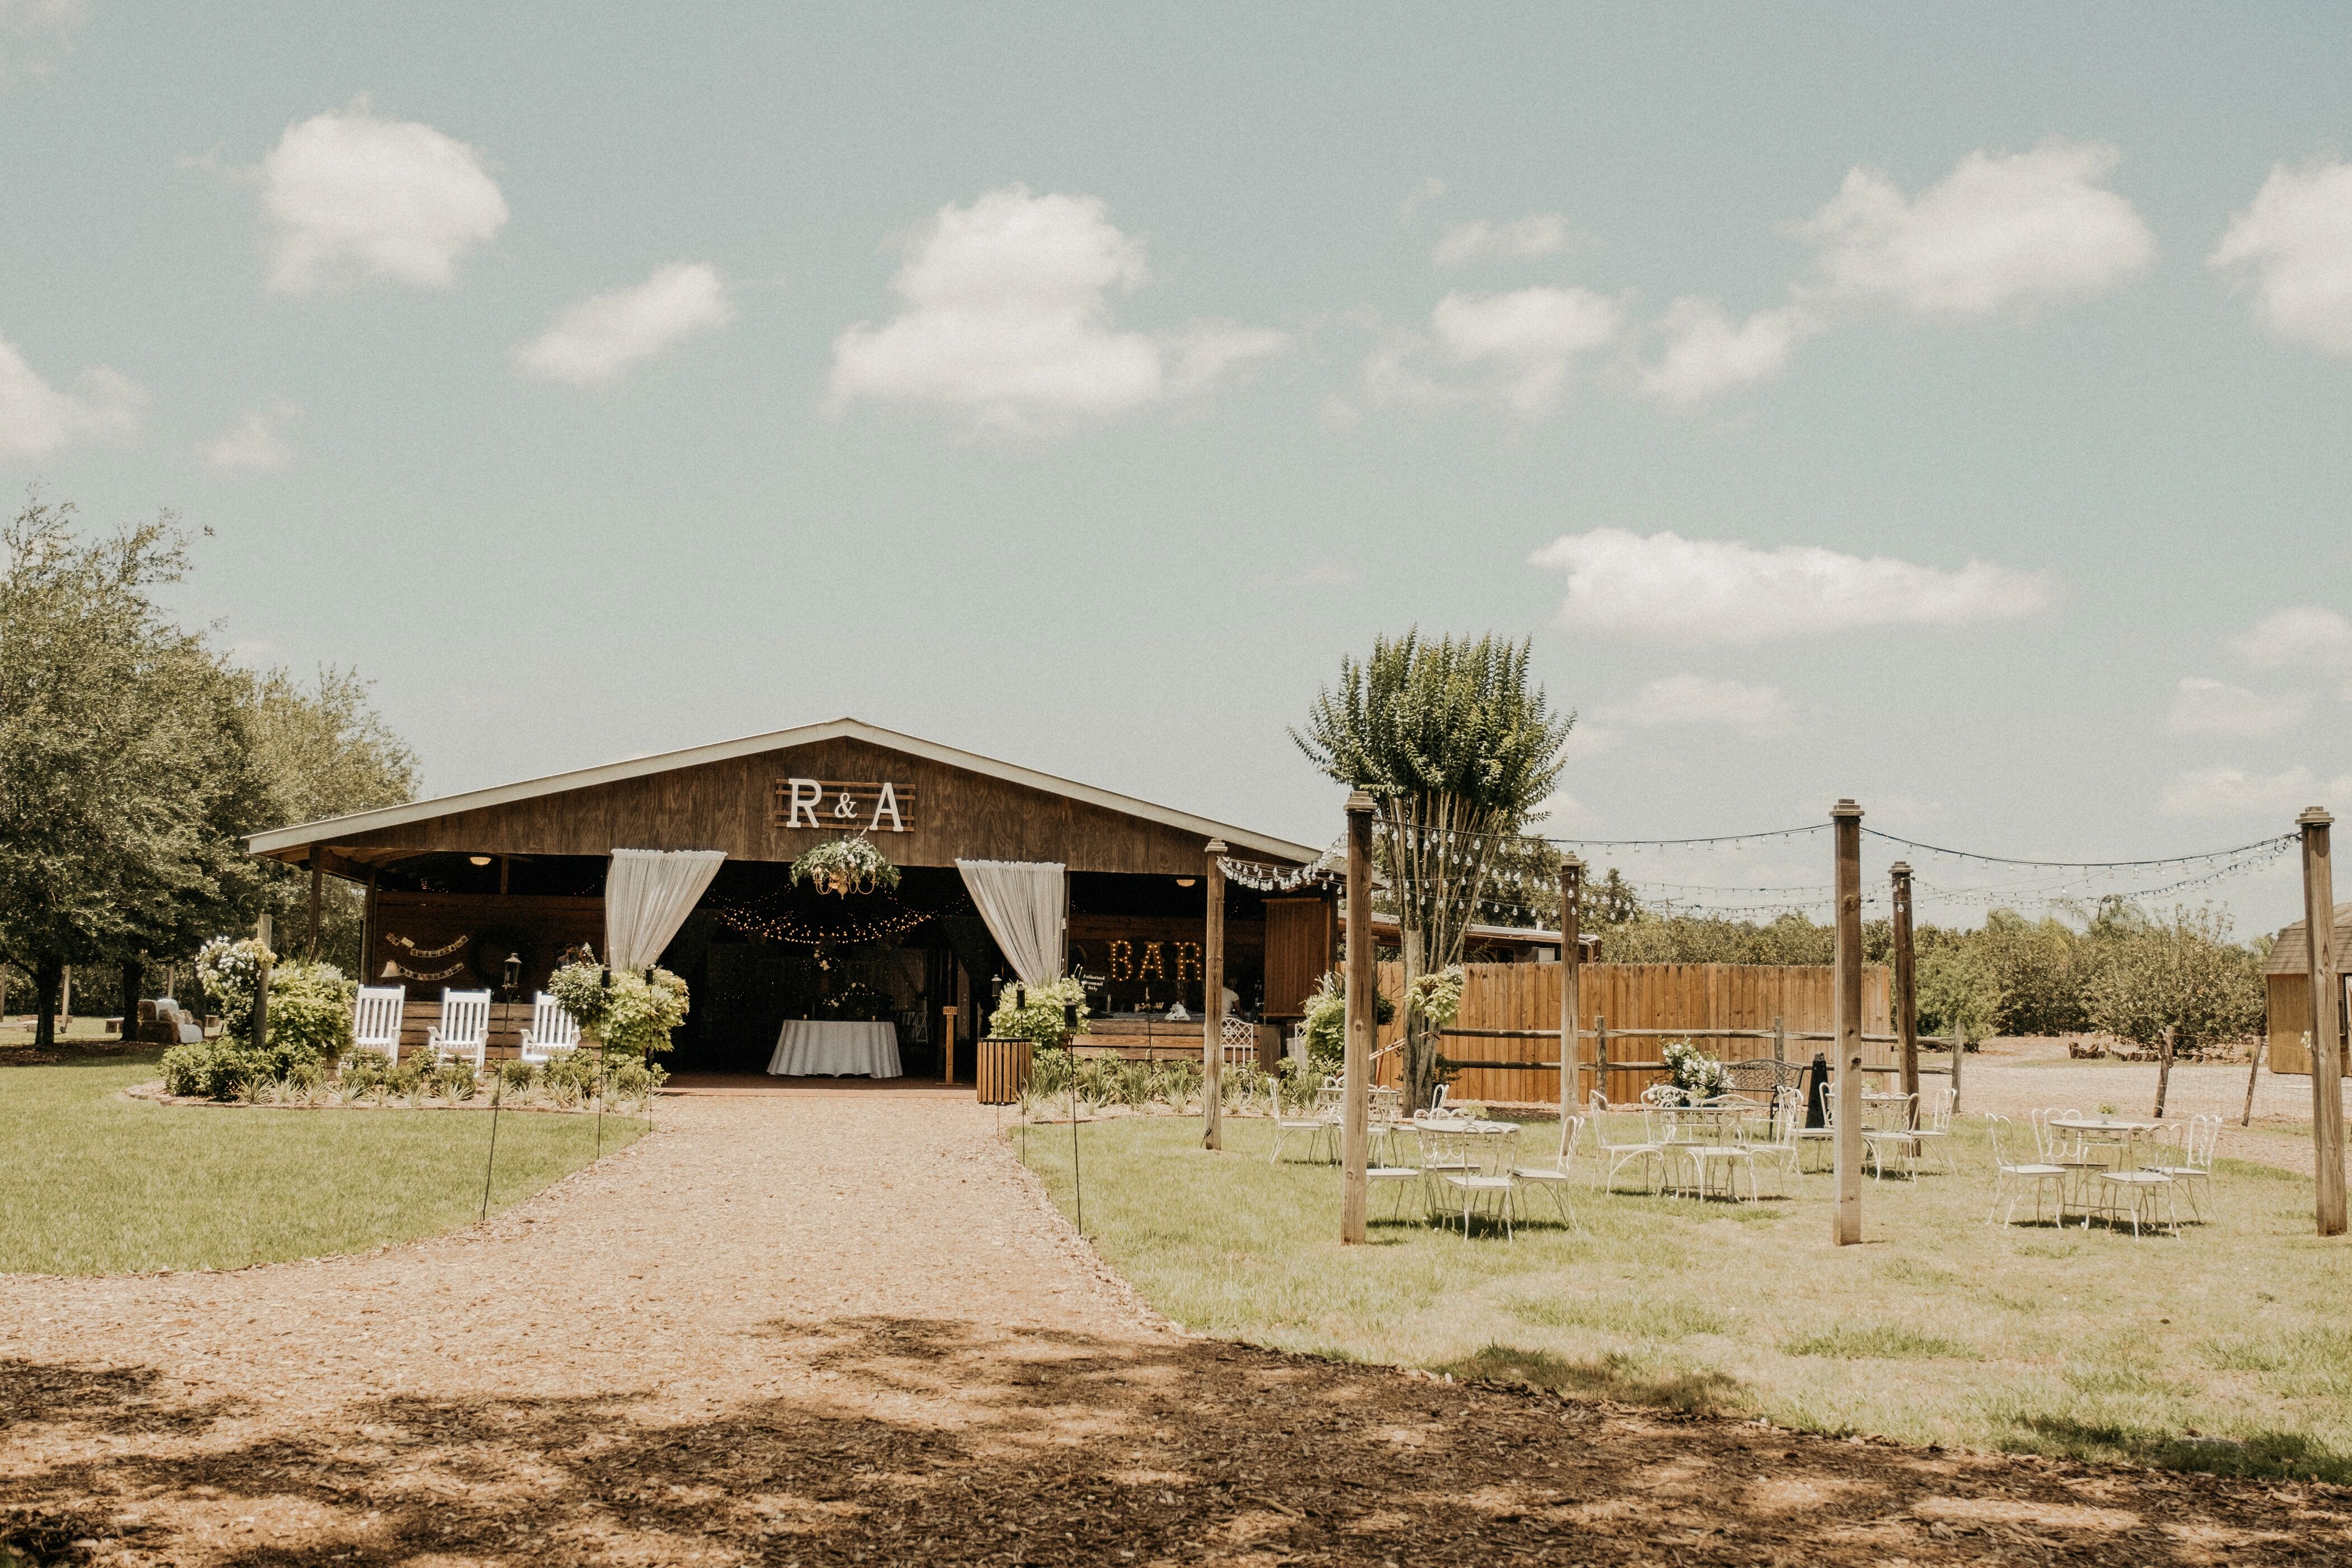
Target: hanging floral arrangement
pixel 846 865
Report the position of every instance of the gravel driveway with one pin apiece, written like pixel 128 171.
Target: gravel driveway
pixel 843 1327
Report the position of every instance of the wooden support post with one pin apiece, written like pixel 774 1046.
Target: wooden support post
pixel 1363 1022
pixel 367 934
pixel 1846 818
pixel 1960 1055
pixel 261 984
pixel 1212 1010
pixel 2163 1071
pixel 2254 1071
pixel 947 1045
pixel 1571 980
pixel 506 864
pixel 1780 1039
pixel 317 875
pixel 1906 988
pixel 2326 1034
pixel 1601 1055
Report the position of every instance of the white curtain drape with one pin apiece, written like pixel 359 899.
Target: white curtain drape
pixel 648 893
pixel 1023 904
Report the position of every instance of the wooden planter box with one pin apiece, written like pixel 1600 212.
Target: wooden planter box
pixel 1003 1070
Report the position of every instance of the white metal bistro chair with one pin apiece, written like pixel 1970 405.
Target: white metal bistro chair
pixel 464 1032
pixel 552 1031
pixel 1933 1136
pixel 1893 1143
pixel 2189 1163
pixel 1475 1167
pixel 1621 1136
pixel 1554 1177
pixel 2011 1176
pixel 2136 1193
pixel 1319 1124
pixel 375 1019
pixel 1778 1149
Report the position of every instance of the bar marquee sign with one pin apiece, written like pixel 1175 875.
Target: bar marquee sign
pixel 832 805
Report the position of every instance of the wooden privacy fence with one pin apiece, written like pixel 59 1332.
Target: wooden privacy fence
pixel 1510 1013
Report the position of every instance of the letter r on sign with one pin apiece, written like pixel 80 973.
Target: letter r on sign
pixel 806 794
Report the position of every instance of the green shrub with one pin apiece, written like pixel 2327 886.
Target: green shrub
pixel 454 1080
pixel 1326 1022
pixel 310 1012
pixel 365 1070
pixel 213 1069
pixel 1042 1020
pixel 517 1074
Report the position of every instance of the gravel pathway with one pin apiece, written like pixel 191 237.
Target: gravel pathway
pixel 844 1327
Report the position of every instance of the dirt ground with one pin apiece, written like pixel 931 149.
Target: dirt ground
pixel 843 1327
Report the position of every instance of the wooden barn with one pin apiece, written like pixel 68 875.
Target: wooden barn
pixel 489 889
pixel 2286 981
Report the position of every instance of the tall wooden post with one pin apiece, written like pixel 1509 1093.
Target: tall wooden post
pixel 2326 1088
pixel 1846 818
pixel 316 876
pixel 1906 988
pixel 1363 1020
pixel 1213 1004
pixel 1571 980
pixel 261 983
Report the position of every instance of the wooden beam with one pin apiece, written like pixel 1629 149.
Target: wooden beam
pixel 1572 982
pixel 1846 819
pixel 1906 988
pixel 1213 1002
pixel 1362 1020
pixel 317 874
pixel 2326 1034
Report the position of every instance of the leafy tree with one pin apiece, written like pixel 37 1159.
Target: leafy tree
pixel 2183 975
pixel 320 751
pixel 123 771
pixel 1456 748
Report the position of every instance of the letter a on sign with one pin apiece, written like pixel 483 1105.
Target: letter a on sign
pixel 886 802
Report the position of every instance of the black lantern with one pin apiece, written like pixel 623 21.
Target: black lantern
pixel 514 974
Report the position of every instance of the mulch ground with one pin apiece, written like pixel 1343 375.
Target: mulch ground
pixel 810 1329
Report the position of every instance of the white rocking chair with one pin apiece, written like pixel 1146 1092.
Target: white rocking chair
pixel 552 1032
pixel 464 1032
pixel 375 1019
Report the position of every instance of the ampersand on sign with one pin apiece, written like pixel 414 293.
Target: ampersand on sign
pixel 845 806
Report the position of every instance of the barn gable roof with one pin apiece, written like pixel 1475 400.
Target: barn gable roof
pixel 277 841
pixel 2290 954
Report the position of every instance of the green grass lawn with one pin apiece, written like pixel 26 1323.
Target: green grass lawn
pixel 2225 1350
pixel 92 1183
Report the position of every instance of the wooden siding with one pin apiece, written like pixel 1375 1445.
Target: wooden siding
pixel 2288 1022
pixel 728 806
pixel 1694 997
pixel 1298 941
pixel 537 930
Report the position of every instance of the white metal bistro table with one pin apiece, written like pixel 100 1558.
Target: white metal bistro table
pixel 2123 1135
pixel 1701 1134
pixel 830 1048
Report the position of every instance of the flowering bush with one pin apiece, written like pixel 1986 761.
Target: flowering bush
pixel 230 972
pixel 846 865
pixel 633 1013
pixel 310 1013
pixel 1041 1021
pixel 1326 1022
pixel 1696 1074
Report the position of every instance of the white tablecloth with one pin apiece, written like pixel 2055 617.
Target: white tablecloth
pixel 813 1048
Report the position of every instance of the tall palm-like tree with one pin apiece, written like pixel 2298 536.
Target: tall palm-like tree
pixel 1456 749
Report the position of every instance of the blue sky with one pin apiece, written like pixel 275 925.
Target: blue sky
pixel 1861 401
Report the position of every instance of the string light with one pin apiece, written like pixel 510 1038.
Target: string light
pixel 763 917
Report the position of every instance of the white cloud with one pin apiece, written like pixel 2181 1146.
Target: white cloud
pixel 2235 792
pixel 1560 809
pixel 349 198
pixel 32 30
pixel 2001 232
pixel 256 444
pixel 1666 588
pixel 1539 233
pixel 1007 317
pixel 1760 711
pixel 2303 636
pixel 592 341
pixel 37 420
pixel 1516 349
pixel 2295 244
pixel 2202 707
pixel 1421 196
pixel 1707 352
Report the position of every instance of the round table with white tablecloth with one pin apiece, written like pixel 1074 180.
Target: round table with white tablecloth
pixel 825 1047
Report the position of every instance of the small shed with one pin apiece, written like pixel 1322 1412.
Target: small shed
pixel 2287 983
